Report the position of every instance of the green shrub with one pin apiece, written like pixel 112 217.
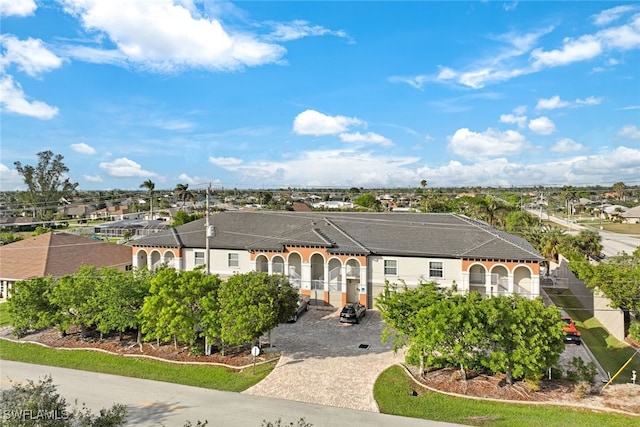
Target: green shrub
pixel 580 371
pixel 634 330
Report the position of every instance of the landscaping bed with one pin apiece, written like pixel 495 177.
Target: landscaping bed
pixel 623 397
pixel 234 357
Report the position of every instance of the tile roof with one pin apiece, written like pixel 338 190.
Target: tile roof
pixel 58 254
pixel 391 234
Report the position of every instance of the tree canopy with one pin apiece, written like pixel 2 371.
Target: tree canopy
pixel 46 183
pixel 507 334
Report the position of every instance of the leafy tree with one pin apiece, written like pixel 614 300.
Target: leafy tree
pixel 27 404
pixel 450 332
pixel 619 188
pixel 399 307
pixel 150 186
pixel 368 201
pixel 618 278
pixel 251 304
pixel 120 295
pixel 29 306
pixel 181 217
pixel 175 306
pixel 523 336
pixel 75 296
pixel 46 183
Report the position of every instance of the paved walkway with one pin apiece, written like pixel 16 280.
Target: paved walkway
pixel 322 361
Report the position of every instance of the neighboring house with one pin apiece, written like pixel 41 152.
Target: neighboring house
pixel 632 216
pixel 19 223
pixel 340 257
pixel 56 254
pixel 137 227
pixel 78 211
pixel 112 213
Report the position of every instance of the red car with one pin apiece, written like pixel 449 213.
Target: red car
pixel 572 334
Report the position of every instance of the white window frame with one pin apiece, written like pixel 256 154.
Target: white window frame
pixel 233 260
pixel 198 258
pixel 433 269
pixel 388 268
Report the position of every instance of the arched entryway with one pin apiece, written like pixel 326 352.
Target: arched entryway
pixel 522 281
pixel 141 259
pixel 335 282
pixel 478 279
pixel 262 264
pixel 317 278
pixel 500 277
pixel 277 265
pixel 295 269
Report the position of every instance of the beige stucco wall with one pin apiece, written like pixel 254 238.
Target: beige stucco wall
pixel 612 319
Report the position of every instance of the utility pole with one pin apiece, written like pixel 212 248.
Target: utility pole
pixel 207 228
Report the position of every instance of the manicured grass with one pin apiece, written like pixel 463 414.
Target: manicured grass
pixel 611 353
pixel 212 377
pixel 393 392
pixel 4 315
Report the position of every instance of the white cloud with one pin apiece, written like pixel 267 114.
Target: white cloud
pixel 330 167
pixel 125 168
pixel 92 178
pixel 608 16
pixel 591 100
pixel 10 179
pixel 14 100
pixel 368 138
pixel 567 145
pixel 555 102
pixel 416 82
pixel 521 121
pixel 83 148
pixel 520 110
pixel 166 37
pixel 225 161
pixel 196 180
pixel 573 50
pixel 490 143
pixel 29 55
pixel 629 132
pixel 311 122
pixel 298 29
pixel 17 7
pixel 551 103
pixel 542 126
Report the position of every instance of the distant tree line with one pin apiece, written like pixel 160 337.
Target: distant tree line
pixel 165 306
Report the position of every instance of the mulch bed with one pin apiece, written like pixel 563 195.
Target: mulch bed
pixel 623 397
pixel 234 357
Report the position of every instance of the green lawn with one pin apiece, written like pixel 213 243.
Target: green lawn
pixel 212 377
pixel 4 315
pixel 393 392
pixel 611 353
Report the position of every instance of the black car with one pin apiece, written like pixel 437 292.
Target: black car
pixel 352 312
pixel 303 305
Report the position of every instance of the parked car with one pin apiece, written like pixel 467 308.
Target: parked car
pixel 572 334
pixel 352 312
pixel 303 305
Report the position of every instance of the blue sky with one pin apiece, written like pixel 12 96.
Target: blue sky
pixel 303 94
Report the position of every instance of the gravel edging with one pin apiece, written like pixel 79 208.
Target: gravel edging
pixel 142 356
pixel 520 402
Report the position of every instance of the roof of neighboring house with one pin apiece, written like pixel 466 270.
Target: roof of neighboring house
pixel 390 234
pixel 632 213
pixel 58 254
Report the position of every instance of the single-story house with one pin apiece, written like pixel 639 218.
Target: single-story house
pixel 339 257
pixel 56 254
pixel 137 227
pixel 631 216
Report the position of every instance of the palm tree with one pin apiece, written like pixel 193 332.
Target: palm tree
pixel 149 185
pixel 619 188
pixel 183 193
pixel 551 242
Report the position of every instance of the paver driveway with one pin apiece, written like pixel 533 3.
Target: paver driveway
pixel 322 361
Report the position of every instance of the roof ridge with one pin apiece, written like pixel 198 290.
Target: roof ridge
pixel 348 236
pixel 497 234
